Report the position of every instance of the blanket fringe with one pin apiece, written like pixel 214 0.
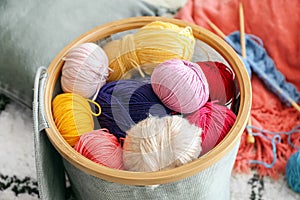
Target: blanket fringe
pixel 262 149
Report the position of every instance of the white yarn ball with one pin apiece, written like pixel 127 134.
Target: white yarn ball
pixel 85 70
pixel 161 143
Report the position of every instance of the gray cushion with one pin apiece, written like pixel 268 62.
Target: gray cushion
pixel 32 32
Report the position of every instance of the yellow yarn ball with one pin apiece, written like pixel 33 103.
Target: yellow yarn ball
pixel 73 116
pixel 150 45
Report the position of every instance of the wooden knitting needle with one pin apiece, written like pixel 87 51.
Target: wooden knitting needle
pixel 250 138
pixel 295 105
pixel 221 34
pixel 216 29
pixel 242 30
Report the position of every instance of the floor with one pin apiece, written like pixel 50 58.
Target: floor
pixel 17 164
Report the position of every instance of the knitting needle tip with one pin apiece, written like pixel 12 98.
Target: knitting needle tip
pixel 296 106
pixel 216 29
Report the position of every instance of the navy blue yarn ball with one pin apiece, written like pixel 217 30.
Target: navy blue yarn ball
pixel 124 103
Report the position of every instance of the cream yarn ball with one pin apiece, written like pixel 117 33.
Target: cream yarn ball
pixel 161 143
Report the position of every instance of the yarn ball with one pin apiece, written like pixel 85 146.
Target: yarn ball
pixel 126 102
pixel 161 143
pixel 181 85
pixel 293 172
pixel 154 43
pixel 85 70
pixel 215 120
pixel 101 147
pixel 72 116
pixel 220 80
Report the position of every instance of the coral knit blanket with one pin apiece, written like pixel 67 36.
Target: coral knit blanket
pixel 277 24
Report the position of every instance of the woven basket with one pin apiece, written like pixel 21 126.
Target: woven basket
pixel 205 178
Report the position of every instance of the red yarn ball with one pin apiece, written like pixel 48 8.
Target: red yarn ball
pixel 220 80
pixel 215 120
pixel 101 147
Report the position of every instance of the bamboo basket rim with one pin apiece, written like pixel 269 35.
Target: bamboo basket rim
pixel 160 177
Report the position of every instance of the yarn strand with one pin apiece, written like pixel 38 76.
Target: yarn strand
pixel 98 106
pixel 296 129
pixel 276 139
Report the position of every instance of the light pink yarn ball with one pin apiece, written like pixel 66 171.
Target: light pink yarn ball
pixel 101 147
pixel 180 85
pixel 85 70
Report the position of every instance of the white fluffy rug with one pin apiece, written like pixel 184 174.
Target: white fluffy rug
pixel 17 165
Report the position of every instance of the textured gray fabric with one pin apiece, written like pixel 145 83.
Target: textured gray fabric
pixel 211 184
pixel 32 32
pixel 49 167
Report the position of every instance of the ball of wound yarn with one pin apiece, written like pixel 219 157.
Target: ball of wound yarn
pixel 101 147
pixel 152 44
pixel 215 120
pixel 220 80
pixel 72 116
pixel 126 102
pixel 181 85
pixel 85 70
pixel 161 143
pixel 293 172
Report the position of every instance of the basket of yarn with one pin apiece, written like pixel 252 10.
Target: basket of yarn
pixel 137 112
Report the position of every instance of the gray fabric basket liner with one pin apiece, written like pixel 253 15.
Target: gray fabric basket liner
pixel 212 183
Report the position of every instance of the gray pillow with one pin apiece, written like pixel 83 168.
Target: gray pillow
pixel 32 32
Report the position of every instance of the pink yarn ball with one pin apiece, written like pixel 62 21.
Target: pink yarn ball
pixel 180 85
pixel 101 147
pixel 85 70
pixel 215 120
